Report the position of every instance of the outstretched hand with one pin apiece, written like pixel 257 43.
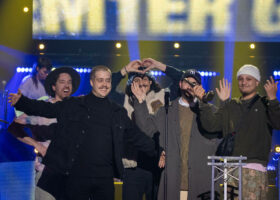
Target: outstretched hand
pixel 271 88
pixel 14 97
pixel 224 90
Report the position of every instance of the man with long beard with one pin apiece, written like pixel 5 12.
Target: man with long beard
pixel 187 172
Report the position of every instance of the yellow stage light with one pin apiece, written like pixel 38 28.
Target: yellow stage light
pixel 176 45
pixel 252 46
pixel 118 45
pixel 36 151
pixel 277 149
pixel 25 9
pixel 41 46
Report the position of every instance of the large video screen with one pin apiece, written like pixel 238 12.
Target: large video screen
pixel 181 20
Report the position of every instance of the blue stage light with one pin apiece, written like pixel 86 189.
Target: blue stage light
pixel 155 73
pixel 206 74
pixel 278 73
pixel 202 73
pixel 275 73
pixel 275 159
pixel 210 74
pixel 270 167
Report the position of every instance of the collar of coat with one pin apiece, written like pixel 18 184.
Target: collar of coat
pixel 82 103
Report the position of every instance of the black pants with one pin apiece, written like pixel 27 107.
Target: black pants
pixel 83 188
pixel 136 183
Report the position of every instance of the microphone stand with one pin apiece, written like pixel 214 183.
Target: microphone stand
pixel 166 105
pixel 5 104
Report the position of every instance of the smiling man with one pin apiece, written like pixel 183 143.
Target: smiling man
pixel 187 173
pixel 60 83
pixel 86 151
pixel 251 118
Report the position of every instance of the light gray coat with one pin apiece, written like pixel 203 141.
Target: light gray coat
pixel 199 148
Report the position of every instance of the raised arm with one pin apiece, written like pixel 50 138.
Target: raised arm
pixel 118 76
pixel 273 104
pixel 35 107
pixel 173 73
pixel 210 117
pixel 133 66
pixel 143 119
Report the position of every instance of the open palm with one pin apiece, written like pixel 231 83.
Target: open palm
pixel 224 90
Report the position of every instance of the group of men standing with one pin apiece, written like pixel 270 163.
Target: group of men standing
pixel 157 148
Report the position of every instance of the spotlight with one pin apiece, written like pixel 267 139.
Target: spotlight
pixel 277 148
pixel 25 9
pixel 252 46
pixel 118 45
pixel 41 46
pixel 176 45
pixel 36 151
pixel 270 168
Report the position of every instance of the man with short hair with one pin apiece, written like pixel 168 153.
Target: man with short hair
pixel 187 174
pixel 60 83
pixel 251 119
pixel 86 152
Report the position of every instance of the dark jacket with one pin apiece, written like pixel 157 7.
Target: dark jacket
pixel 71 114
pixel 253 127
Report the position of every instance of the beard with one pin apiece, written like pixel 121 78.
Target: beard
pixel 187 93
